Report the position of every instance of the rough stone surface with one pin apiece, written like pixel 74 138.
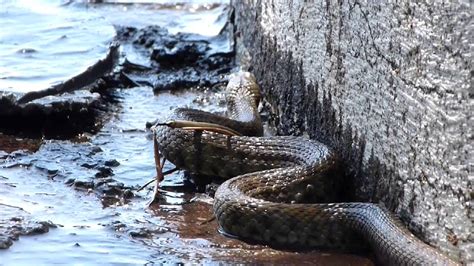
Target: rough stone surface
pixel 388 86
pixel 56 116
pixel 167 61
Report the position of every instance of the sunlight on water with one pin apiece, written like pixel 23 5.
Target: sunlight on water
pixel 45 42
pixel 42 43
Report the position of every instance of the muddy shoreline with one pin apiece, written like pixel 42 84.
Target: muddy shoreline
pixel 78 108
pixel 71 164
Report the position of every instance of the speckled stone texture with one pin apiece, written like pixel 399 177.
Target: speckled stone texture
pixel 388 85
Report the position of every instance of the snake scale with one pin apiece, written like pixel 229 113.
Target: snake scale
pixel 274 182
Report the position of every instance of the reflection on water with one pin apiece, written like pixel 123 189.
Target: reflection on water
pixel 41 42
pixel 95 226
pixel 46 41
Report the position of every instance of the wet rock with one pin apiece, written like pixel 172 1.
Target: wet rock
pixel 23 162
pixel 102 181
pixel 95 150
pixel 3 154
pixel 69 181
pixel 112 163
pixel 52 116
pixel 211 189
pixel 179 54
pixel 34 228
pixel 177 61
pixel 81 81
pixel 110 189
pixel 5 241
pixel 104 172
pixel 147 232
pixel 61 111
pixel 128 194
pixel 140 233
pixel 11 228
pixel 118 226
pixel 149 124
pixel 83 184
pixel 50 168
pixel 89 165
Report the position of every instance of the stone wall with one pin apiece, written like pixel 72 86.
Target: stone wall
pixel 388 85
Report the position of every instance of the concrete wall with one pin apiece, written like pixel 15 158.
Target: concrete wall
pixel 386 84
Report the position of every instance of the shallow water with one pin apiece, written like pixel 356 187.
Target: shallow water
pixel 94 226
pixel 49 37
pixel 58 39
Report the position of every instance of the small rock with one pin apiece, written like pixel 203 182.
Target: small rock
pixel 3 155
pixel 111 190
pixel 16 219
pixel 48 167
pixel 128 194
pixel 95 149
pixel 83 184
pixel 36 229
pixel 112 163
pixel 89 165
pixel 140 233
pixel 5 242
pixel 104 172
pixel 48 224
pixel 211 189
pixel 69 181
pixel 102 181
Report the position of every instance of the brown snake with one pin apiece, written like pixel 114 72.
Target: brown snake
pixel 274 181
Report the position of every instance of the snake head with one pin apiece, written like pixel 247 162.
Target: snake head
pixel 244 79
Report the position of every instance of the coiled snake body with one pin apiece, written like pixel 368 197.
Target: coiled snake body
pixel 274 179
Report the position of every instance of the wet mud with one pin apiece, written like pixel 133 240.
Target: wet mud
pixel 52 117
pixel 181 60
pixel 76 194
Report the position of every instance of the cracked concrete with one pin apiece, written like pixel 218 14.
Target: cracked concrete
pixel 388 85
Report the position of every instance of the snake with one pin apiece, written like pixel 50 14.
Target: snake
pixel 281 190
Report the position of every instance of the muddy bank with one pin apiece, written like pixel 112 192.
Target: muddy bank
pixel 54 117
pixel 78 108
pixel 151 56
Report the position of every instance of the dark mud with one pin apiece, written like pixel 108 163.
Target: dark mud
pixel 52 117
pixel 177 61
